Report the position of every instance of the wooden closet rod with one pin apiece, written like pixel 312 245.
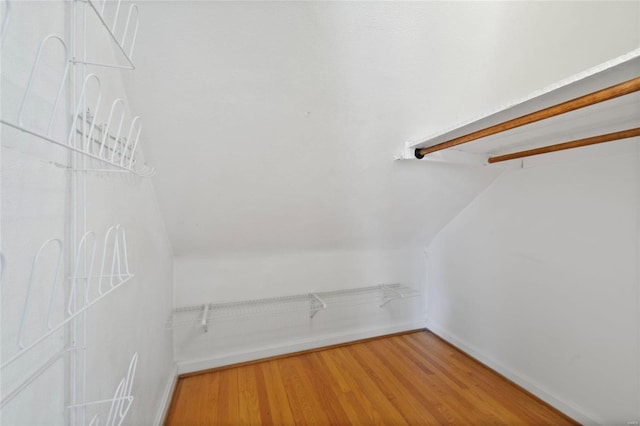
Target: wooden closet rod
pixel 624 134
pixel 612 92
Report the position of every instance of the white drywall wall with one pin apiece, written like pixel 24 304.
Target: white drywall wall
pixel 275 123
pixel 36 206
pixel 539 278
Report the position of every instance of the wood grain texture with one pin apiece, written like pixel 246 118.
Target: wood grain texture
pixel 609 137
pixel 414 378
pixel 606 94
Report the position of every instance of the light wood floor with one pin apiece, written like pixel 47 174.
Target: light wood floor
pixel 412 379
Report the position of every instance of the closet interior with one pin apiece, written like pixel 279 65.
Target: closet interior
pixel 188 186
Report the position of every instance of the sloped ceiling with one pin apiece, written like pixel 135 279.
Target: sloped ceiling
pixel 273 126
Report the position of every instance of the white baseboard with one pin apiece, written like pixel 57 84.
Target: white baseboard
pixel 166 396
pixel 292 346
pixel 570 410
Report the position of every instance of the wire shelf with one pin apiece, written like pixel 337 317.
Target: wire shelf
pixel 122 43
pixel 121 401
pixel 104 143
pixel 202 315
pixel 92 280
pixel 66 280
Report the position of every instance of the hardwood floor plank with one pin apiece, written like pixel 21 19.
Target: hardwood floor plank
pixel 427 393
pixel 353 409
pixel 330 400
pixel 371 403
pixel 467 406
pixel 398 388
pixel 248 405
pixel 280 408
pixel 483 387
pixel 368 384
pixel 265 402
pixel 174 413
pixel 494 389
pixel 414 378
pixel 305 407
pixel 393 386
pixel 227 408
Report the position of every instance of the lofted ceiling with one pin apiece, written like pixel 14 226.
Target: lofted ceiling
pixel 273 125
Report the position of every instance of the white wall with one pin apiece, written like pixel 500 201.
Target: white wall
pixel 284 127
pixel 275 123
pixel 36 206
pixel 538 277
pixel 254 276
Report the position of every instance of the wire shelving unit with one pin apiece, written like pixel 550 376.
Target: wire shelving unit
pixel 71 275
pixel 119 403
pixel 105 143
pixel 205 314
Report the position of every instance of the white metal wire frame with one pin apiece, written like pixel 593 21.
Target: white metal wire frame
pixel 121 42
pixel 121 401
pixel 106 273
pixel 91 267
pixel 203 315
pixel 117 152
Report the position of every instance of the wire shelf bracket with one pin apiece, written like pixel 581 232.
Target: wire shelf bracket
pixel 203 315
pixel 316 304
pixel 390 293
